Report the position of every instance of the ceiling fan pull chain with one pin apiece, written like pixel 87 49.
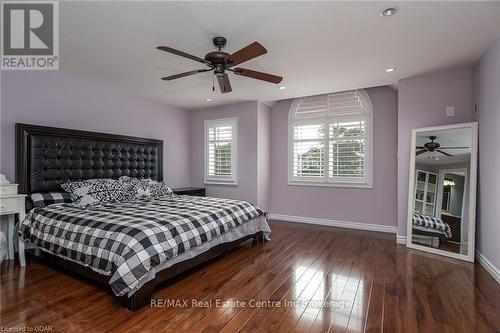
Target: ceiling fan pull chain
pixel 213 83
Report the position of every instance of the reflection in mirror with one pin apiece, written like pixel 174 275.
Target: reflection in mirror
pixel 441 189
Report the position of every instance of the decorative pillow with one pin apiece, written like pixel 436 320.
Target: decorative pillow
pixel 49 198
pixel 144 188
pixel 92 192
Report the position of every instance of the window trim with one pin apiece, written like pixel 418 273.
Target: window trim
pixel 233 122
pixel 325 180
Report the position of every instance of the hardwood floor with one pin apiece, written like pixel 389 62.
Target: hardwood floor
pixel 307 279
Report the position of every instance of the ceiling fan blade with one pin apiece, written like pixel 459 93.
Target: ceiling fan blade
pixel 258 75
pixel 248 52
pixel 421 151
pixel 454 147
pixel 224 84
pixel 420 147
pixel 177 76
pixel 182 54
pixel 442 152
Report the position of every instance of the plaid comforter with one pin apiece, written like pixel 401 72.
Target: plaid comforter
pixel 431 224
pixel 125 240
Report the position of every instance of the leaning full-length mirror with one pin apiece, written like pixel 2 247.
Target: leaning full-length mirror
pixel 442 189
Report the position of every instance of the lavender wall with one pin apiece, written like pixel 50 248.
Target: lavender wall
pixel 53 99
pixel 264 157
pixel 422 102
pixel 247 114
pixel 373 206
pixel 486 88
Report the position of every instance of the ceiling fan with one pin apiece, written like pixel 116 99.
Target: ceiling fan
pixel 433 146
pixel 219 62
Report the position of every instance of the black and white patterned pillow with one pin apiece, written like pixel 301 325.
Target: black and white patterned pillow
pixel 145 188
pixel 140 187
pixel 49 198
pixel 159 189
pixel 93 192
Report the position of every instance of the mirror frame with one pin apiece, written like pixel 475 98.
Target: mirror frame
pixel 472 172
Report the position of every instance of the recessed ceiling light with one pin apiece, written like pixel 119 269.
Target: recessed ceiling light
pixel 392 69
pixel 208 100
pixel 389 11
pixel 282 87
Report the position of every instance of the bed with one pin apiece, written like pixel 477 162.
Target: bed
pixel 430 230
pixel 130 246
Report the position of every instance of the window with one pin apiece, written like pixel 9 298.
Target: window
pixel 330 140
pixel 220 151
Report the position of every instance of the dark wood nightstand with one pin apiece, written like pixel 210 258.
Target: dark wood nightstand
pixel 194 191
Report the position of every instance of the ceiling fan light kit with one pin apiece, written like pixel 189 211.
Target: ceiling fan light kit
pixel 220 62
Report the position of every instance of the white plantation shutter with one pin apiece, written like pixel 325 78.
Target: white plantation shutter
pixel 347 149
pixel 309 151
pixel 330 139
pixel 220 150
pixel 343 103
pixel 311 107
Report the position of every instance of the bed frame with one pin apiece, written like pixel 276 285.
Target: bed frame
pixel 49 156
pixel 441 237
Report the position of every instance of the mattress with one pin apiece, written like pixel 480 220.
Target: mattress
pixel 128 240
pixel 431 224
pixel 249 228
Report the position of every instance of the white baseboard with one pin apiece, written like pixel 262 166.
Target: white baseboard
pixel 334 223
pixel 488 266
pixel 400 239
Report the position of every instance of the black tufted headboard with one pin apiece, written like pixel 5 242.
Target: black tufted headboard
pixel 49 156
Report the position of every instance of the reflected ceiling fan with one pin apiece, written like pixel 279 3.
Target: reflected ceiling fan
pixel 219 62
pixel 433 146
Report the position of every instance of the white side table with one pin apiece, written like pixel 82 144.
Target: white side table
pixel 11 204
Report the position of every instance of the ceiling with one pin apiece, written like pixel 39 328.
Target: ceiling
pixel 317 47
pixel 461 137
